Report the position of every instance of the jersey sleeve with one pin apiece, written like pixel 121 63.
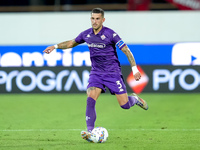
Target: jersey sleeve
pixel 79 39
pixel 118 41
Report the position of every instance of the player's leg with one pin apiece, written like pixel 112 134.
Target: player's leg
pixel 126 101
pixel 93 94
pixel 116 85
pixel 94 89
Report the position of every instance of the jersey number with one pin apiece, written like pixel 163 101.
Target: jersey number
pixel 119 86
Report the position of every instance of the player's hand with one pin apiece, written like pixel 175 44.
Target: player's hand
pixel 49 49
pixel 137 76
pixel 136 73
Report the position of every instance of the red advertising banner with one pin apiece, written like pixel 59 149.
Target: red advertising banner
pixel 139 5
pixel 186 4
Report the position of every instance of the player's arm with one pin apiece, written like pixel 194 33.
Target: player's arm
pixel 132 62
pixel 62 45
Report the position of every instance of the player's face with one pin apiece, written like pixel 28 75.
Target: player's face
pixel 97 20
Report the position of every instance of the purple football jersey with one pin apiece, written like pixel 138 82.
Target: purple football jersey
pixel 102 48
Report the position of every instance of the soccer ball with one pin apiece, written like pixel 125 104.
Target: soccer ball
pixel 99 135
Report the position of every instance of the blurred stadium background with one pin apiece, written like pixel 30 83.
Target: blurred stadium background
pixel 75 5
pixel 162 34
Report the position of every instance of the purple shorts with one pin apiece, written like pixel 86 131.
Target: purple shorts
pixel 114 82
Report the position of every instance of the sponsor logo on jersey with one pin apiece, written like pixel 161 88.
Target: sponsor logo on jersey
pixel 138 86
pixel 88 36
pixel 97 45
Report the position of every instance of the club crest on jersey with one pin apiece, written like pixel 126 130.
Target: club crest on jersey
pixel 103 37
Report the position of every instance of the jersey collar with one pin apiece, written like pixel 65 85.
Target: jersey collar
pixel 100 32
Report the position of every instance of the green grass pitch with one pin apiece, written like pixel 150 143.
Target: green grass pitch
pixel 54 122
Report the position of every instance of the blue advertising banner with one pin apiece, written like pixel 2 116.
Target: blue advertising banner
pixel 145 54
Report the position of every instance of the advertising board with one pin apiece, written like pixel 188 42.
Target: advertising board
pixel 164 79
pixel 145 54
pixel 43 79
pixel 157 79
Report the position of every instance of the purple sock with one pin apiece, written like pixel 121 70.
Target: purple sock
pixel 131 102
pixel 90 113
pixel 126 106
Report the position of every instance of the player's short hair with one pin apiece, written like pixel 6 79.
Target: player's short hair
pixel 98 10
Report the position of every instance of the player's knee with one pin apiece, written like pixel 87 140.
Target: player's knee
pixel 93 92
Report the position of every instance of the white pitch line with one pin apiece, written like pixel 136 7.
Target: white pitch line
pixel 41 130
pixel 66 130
